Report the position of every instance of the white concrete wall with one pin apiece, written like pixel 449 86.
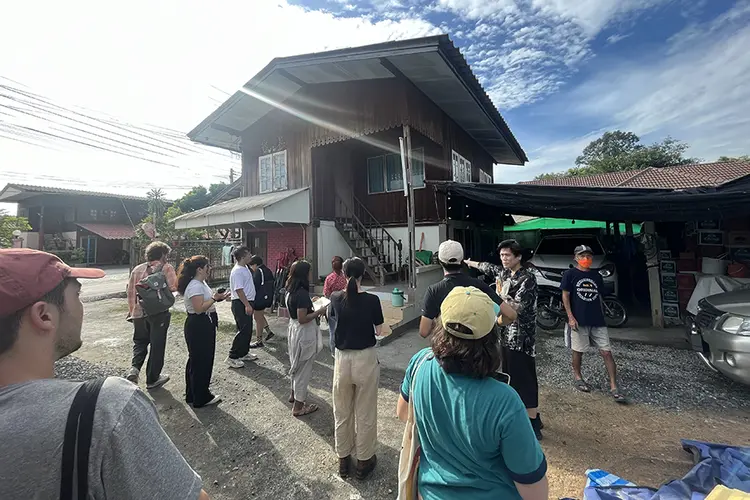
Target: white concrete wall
pixel 30 240
pixel 433 236
pixel 330 244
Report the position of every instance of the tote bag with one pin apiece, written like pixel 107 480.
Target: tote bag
pixel 408 462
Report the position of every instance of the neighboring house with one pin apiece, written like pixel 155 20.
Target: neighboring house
pixel 695 175
pixel 321 169
pixel 62 219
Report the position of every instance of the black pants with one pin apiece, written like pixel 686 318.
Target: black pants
pixel 151 330
pixel 522 370
pixel 241 342
pixel 200 336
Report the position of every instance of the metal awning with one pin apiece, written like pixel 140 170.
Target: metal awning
pixel 110 231
pixel 284 207
pixel 433 64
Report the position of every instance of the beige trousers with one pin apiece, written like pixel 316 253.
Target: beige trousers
pixel 356 375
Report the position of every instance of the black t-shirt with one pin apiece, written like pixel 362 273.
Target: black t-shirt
pixel 299 299
pixel 585 296
pixel 264 283
pixel 356 320
pixel 437 292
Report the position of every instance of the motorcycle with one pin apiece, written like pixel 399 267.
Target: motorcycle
pixel 551 315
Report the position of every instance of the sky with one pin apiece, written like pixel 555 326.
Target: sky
pixel 561 72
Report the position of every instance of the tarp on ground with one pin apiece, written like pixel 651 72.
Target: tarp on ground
pixel 547 223
pixel 715 464
pixel 613 204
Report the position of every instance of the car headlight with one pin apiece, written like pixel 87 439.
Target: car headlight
pixel 738 325
pixel 607 271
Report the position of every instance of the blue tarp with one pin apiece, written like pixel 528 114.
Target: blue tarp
pixel 714 464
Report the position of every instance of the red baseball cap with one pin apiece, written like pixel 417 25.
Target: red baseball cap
pixel 26 275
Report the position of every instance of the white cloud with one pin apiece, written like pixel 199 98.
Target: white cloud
pixel 613 39
pixel 157 63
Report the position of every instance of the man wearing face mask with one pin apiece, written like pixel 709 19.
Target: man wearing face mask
pixel 582 297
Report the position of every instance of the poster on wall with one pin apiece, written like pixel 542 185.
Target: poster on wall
pixel 714 238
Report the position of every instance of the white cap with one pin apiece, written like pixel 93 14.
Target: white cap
pixel 451 252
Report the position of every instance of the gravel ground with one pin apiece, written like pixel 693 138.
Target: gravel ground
pixel 669 378
pixel 72 368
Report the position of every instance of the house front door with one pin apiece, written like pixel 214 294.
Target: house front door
pixel 258 245
pixel 89 246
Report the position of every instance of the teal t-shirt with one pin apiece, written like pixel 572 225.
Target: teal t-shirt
pixel 475 434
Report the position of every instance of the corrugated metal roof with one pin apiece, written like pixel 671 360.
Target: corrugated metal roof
pixel 240 204
pixel 110 231
pixel 433 64
pixel 676 177
pixel 27 188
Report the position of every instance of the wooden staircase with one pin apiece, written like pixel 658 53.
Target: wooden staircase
pixel 369 240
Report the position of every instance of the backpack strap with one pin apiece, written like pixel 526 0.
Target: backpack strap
pixel 77 441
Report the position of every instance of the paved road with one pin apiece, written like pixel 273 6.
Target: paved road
pixel 114 282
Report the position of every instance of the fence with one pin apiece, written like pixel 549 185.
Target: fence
pixel 214 250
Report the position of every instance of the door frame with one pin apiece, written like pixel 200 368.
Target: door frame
pixel 262 244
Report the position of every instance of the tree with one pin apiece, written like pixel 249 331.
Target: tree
pixel 199 197
pixel 156 203
pixel 620 151
pixel 8 224
pixel 733 158
pixel 165 229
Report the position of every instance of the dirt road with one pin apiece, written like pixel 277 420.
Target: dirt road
pixel 251 447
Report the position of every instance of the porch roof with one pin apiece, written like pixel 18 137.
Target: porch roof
pixel 292 207
pixel 109 231
pixel 433 64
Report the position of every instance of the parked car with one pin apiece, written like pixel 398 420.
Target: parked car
pixel 720 334
pixel 554 255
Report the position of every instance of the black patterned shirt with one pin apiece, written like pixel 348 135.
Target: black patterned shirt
pixel 519 290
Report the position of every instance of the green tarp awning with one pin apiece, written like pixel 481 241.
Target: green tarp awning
pixel 545 223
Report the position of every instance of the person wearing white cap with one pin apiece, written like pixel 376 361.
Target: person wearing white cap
pixel 451 258
pixel 476 438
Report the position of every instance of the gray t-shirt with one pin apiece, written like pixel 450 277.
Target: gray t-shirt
pixel 131 455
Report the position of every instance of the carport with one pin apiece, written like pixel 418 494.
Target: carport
pixel 663 213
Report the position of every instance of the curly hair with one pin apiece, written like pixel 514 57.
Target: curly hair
pixel 473 358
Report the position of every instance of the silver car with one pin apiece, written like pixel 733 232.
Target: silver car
pixel 720 334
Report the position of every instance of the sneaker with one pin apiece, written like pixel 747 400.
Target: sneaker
pixel 133 375
pixel 163 379
pixel 216 400
pixel 234 363
pixel 249 357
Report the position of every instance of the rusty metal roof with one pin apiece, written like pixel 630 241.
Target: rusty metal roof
pixel 12 193
pixel 109 231
pixel 676 177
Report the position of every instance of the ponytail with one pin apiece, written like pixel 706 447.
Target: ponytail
pixel 187 270
pixel 354 269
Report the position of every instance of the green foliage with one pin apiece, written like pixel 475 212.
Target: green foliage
pixel 74 256
pixel 620 151
pixel 8 224
pixel 734 158
pixel 199 197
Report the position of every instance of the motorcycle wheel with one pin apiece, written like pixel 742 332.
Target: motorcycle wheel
pixel 615 314
pixel 547 319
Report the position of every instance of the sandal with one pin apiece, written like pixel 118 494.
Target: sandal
pixel 581 385
pixel 269 335
pixel 619 396
pixel 305 410
pixel 257 344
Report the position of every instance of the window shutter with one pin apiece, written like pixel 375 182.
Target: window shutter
pixel 264 173
pixel 279 171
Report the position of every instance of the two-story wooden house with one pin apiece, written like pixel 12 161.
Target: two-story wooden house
pixel 321 164
pixel 62 219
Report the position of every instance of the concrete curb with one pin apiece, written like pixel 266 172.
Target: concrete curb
pixel 106 296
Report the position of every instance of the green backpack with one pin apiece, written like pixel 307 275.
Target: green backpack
pixel 153 292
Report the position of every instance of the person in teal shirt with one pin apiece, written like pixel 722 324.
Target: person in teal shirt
pixel 476 438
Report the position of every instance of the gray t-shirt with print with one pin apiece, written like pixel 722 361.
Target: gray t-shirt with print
pixel 131 456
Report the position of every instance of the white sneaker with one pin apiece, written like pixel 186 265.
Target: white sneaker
pixel 163 379
pixel 216 400
pixel 133 375
pixel 234 363
pixel 249 357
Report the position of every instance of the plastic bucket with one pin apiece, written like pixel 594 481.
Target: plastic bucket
pixel 397 298
pixel 714 266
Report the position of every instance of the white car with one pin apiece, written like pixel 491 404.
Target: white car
pixel 554 255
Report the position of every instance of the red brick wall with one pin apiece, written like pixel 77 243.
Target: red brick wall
pixel 279 239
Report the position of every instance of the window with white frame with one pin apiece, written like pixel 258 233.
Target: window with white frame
pixel 272 172
pixel 384 173
pixel 485 178
pixel 461 168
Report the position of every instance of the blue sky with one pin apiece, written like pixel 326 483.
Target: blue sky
pixel 561 72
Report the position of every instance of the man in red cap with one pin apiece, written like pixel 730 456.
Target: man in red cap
pixel 130 455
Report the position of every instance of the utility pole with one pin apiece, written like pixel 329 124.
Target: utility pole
pixel 231 175
pixel 410 210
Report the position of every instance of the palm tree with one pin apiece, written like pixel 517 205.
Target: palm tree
pixel 156 205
